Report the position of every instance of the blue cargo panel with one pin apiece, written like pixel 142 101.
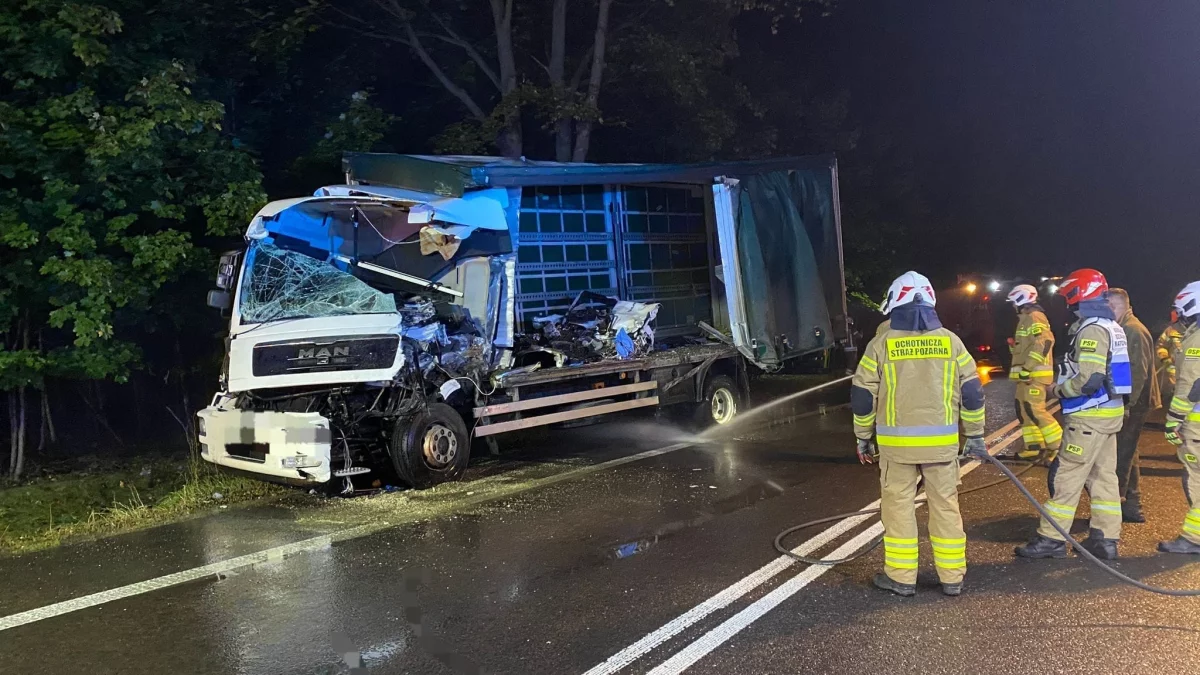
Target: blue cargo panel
pixel 566 245
pixel 664 242
pixel 644 243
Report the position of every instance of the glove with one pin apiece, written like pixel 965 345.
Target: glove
pixel 867 451
pixel 1024 375
pixel 1172 432
pixel 975 447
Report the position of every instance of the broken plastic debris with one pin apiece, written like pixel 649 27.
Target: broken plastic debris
pixel 624 344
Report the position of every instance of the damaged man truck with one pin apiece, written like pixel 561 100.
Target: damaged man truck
pixel 386 324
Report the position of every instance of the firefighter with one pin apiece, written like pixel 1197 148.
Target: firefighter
pixel 1033 370
pixel 1091 384
pixel 914 383
pixel 1168 349
pixel 1183 417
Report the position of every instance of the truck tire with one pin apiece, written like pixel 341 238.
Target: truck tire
pixel 721 403
pixel 430 447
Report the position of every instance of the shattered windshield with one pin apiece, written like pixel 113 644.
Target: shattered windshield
pixel 284 284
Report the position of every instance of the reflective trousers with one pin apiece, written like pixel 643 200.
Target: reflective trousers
pixel 1189 454
pixel 898 487
pixel 1088 459
pixel 1039 429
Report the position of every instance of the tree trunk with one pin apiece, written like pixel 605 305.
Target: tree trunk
pixel 557 71
pixel 583 129
pixel 508 140
pixel 48 415
pixel 19 446
pixel 12 433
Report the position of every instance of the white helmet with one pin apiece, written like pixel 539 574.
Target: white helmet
pixel 1022 295
pixel 1187 303
pixel 909 287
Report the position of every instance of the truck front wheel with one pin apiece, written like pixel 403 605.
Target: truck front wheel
pixel 720 404
pixel 430 447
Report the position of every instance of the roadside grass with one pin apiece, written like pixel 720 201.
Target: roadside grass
pixel 50 510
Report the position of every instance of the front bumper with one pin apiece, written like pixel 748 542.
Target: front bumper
pixel 292 446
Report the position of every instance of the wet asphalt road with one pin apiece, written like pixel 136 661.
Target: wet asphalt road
pixel 559 557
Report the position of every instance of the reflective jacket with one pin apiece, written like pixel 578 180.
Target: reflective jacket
pixel 1095 377
pixel 1033 347
pixel 1185 404
pixel 910 391
pixel 1167 348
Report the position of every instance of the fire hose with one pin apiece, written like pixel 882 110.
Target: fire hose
pixel 1009 476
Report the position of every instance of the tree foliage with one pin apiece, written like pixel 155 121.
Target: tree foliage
pixel 110 169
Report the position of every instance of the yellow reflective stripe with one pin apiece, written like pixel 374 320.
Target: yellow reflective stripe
pixel 1015 374
pixel 864 420
pixel 1116 411
pixel 1191 523
pixel 1181 404
pixel 1022 332
pixel 1041 371
pixel 1093 358
pixel 947 393
pixel 1106 507
pixel 964 359
pixel 869 363
pixel 889 374
pixel 1037 357
pixel 918 441
pixel 1193 417
pixel 1052 433
pixel 1060 510
pixel 971 415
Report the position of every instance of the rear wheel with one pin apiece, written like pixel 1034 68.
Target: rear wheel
pixel 430 447
pixel 721 402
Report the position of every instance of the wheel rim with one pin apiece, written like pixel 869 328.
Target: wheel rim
pixel 440 446
pixel 724 406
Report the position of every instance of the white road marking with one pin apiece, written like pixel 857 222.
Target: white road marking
pixel 717 636
pixel 997 440
pixel 312 544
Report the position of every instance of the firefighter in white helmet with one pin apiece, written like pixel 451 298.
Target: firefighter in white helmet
pixel 1033 371
pixel 1183 418
pixel 914 382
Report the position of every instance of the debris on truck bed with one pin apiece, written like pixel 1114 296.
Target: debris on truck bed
pixel 593 328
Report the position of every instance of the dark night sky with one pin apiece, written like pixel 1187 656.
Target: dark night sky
pixel 1053 134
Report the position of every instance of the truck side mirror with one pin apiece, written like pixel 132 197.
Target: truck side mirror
pixel 221 300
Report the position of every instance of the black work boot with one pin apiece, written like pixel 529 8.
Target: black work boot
pixel 952 589
pixel 1178 545
pixel 1042 547
pixel 1097 545
pixel 1131 512
pixel 889 584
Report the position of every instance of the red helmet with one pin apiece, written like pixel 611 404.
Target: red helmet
pixel 1084 284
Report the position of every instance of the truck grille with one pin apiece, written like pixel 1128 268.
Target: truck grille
pixel 308 356
pixel 250 452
